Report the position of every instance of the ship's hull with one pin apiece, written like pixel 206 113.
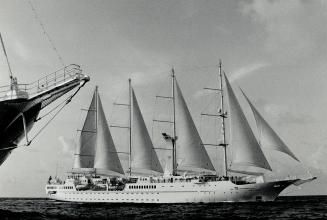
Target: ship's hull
pixel 12 112
pixel 210 192
pixel 12 128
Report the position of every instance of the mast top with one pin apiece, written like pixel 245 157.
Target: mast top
pixel 96 91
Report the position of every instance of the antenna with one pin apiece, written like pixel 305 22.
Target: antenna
pixel 4 51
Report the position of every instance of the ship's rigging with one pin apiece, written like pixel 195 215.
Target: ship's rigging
pixel 51 42
pixel 222 114
pixel 97 166
pixel 246 154
pixel 8 64
pixel 20 104
pixel 97 152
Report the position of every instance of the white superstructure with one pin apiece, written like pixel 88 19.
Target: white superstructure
pixel 98 175
pixel 206 189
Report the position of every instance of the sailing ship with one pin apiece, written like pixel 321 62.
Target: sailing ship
pixel 20 104
pixel 98 175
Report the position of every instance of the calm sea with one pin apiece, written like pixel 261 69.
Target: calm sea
pixel 304 207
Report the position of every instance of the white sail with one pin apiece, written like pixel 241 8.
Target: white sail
pixel 268 138
pixel 106 157
pixel 246 149
pixel 143 154
pixel 84 155
pixel 191 154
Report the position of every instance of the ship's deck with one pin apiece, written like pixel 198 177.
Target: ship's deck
pixel 47 82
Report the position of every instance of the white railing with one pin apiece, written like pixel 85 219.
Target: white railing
pixel 47 82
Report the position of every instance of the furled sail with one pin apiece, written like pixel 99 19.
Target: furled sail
pixel 268 138
pixel 246 149
pixel 191 154
pixel 84 155
pixel 143 154
pixel 106 157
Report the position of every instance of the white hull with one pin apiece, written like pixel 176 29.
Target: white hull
pixel 209 192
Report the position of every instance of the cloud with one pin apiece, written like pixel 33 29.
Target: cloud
pixel 203 92
pixel 4 75
pixel 68 145
pixel 143 78
pixel 21 50
pixel 318 158
pixel 147 78
pixel 236 75
pixel 247 70
pixel 283 115
pixel 189 9
pixel 222 29
pixel 293 29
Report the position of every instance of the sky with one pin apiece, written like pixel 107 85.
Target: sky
pixel 274 50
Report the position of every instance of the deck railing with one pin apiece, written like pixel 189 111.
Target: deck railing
pixel 45 83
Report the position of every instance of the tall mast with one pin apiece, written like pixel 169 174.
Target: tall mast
pixel 4 51
pixel 96 115
pixel 130 126
pixel 223 115
pixel 96 108
pixel 174 122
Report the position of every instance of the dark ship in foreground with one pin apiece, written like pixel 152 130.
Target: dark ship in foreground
pixel 20 104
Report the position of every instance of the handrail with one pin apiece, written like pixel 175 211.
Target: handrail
pixel 49 81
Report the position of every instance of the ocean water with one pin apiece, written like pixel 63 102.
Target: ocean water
pixel 304 207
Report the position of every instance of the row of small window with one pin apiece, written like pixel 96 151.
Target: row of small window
pixel 113 199
pixel 51 187
pixel 121 193
pixel 143 187
pixel 66 187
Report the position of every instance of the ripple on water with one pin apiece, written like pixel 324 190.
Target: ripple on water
pixel 309 207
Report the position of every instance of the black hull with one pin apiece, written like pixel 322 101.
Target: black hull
pixel 11 126
pixel 12 112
